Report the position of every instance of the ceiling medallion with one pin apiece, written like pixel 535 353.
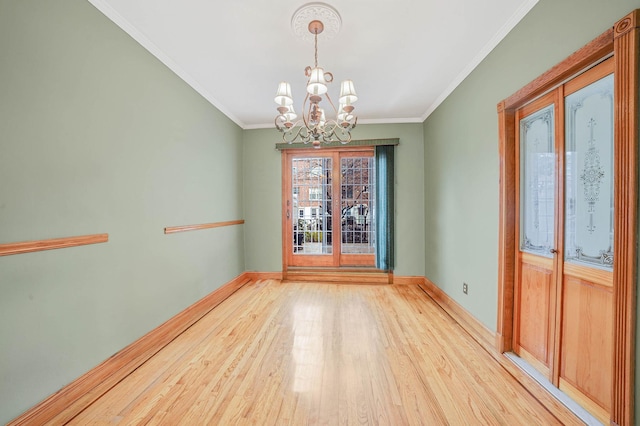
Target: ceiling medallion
pixel 316 12
pixel 314 127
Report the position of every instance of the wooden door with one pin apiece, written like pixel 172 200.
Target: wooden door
pixel 328 197
pixel 563 312
pixel 310 210
pixel 537 147
pixel 586 340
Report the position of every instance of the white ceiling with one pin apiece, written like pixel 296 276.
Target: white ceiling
pixel 404 56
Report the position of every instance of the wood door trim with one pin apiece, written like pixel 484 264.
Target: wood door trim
pixel 506 230
pixel 336 200
pixel 622 42
pixel 588 56
pixel 51 244
pixel 287 243
pixel 625 268
pixel 517 264
pixel 604 69
pixel 555 323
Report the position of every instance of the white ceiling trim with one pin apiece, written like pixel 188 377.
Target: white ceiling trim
pixel 390 120
pixel 363 121
pixel 497 38
pixel 138 36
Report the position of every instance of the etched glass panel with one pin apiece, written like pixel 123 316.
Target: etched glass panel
pixel 311 195
pixel 589 174
pixel 537 182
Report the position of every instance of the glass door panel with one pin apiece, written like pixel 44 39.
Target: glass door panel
pixel 537 182
pixel 312 193
pixel 356 205
pixel 589 175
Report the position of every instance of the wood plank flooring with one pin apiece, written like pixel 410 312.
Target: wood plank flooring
pixel 319 353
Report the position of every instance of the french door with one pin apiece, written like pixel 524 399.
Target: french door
pixel 328 202
pixel 563 310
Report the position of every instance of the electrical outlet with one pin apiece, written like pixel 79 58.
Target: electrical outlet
pixel 465 288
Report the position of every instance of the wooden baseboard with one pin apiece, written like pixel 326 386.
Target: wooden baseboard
pixel 407 280
pixel 485 337
pixel 256 276
pixel 65 404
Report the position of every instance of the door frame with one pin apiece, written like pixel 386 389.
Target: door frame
pixel 287 244
pixel 622 42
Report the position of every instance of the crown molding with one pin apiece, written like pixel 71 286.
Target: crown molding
pixel 363 121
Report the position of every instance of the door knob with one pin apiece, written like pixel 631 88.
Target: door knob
pixel 553 250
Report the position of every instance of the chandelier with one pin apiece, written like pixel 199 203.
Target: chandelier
pixel 314 126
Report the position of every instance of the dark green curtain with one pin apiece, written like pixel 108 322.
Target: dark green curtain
pixel 384 207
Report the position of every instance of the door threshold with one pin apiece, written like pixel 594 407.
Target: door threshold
pixel 348 275
pixel 565 399
pixel 363 269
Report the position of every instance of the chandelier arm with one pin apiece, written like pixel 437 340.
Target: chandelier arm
pixel 306 135
pixel 331 103
pixel 305 117
pixel 281 128
pixel 285 129
pixel 340 133
pixel 328 134
pixel 293 132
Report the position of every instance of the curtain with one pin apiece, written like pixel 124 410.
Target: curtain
pixel 384 207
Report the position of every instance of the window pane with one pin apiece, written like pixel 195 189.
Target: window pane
pixel 589 174
pixel 358 189
pixel 311 195
pixel 537 182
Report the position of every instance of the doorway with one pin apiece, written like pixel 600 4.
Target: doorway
pixel 563 311
pixel 621 45
pixel 328 207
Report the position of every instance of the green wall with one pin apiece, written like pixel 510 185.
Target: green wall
pixel 263 187
pixel 97 136
pixel 461 146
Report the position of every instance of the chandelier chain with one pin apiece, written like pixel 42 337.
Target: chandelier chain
pixel 316 49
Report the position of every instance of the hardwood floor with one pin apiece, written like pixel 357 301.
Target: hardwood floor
pixel 311 353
